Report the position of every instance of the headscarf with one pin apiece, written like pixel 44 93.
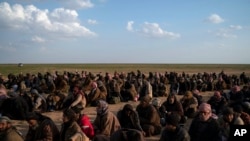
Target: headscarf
pixel 5 119
pixel 102 107
pixel 156 102
pixel 205 107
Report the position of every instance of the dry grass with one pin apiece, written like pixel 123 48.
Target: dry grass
pixel 5 69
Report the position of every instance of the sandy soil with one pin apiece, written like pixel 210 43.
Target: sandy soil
pixel 56 116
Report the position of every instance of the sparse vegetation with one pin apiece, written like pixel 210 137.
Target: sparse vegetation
pixel 5 69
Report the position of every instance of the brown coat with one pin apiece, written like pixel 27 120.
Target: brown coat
pixel 149 119
pixel 106 124
pixel 94 95
pixel 73 132
pixel 11 135
pixel 46 131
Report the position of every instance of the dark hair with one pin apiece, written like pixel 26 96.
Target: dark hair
pixel 227 111
pixel 77 109
pixel 35 116
pixel 70 114
pixel 128 107
pixel 173 119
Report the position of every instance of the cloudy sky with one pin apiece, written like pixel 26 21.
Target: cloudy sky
pixel 125 31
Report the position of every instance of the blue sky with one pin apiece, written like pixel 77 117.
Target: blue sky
pixel 125 31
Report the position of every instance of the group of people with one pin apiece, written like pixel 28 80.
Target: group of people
pixel 72 92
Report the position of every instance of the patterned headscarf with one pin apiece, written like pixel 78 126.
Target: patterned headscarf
pixel 102 107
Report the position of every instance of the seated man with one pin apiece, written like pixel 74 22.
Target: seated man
pixel 149 117
pixel 173 131
pixel 8 132
pixel 204 127
pixel 129 118
pixel 189 104
pixel 84 122
pixel 41 128
pixel 105 122
pixel 217 102
pixel 127 135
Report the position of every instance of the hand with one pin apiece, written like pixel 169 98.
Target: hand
pixel 143 133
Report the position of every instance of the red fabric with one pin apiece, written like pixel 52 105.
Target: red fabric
pixel 86 126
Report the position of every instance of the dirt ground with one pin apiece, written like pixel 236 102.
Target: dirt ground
pixel 56 116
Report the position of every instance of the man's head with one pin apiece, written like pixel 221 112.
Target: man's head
pixel 145 101
pixel 228 114
pixel 172 121
pixel 69 115
pixel 217 95
pixel 3 91
pixel 102 107
pixel 5 123
pixel 34 92
pixel 171 98
pixel 32 118
pixel 127 109
pixel 78 110
pixel 205 111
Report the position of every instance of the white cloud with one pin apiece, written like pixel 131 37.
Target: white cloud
pixel 228 32
pixel 214 18
pixel 29 19
pixel 38 39
pixel 226 35
pixel 236 27
pixel 130 25
pixel 90 21
pixel 154 30
pixel 77 4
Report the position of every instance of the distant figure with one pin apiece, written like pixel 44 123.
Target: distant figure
pixel 94 94
pixel 39 101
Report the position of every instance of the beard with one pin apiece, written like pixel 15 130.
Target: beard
pixel 2 131
pixel 34 127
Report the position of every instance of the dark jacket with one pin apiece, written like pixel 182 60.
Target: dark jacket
pixel 180 134
pixel 46 131
pixel 204 131
pixel 132 121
